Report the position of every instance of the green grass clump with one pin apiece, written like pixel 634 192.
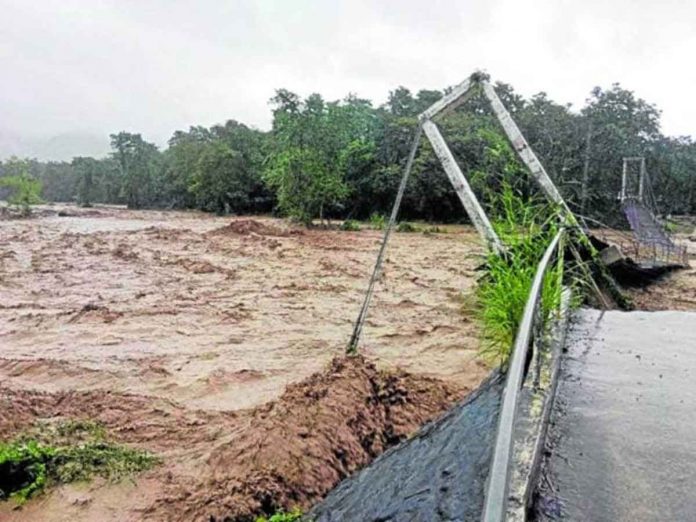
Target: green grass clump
pixel 377 221
pixel 98 458
pixel 526 228
pixel 670 226
pixel 63 452
pixel 350 225
pixel 282 516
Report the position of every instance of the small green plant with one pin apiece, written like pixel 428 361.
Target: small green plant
pixel 63 452
pixel 405 226
pixel 671 227
pixel 350 225
pixel 377 221
pixel 282 516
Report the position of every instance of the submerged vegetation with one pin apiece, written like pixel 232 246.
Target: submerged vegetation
pixel 405 226
pixel 64 452
pixel 377 221
pixel 350 225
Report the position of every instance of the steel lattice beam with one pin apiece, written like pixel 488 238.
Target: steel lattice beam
pixel 448 103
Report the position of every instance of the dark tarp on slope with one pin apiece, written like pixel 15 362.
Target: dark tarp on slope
pixel 437 475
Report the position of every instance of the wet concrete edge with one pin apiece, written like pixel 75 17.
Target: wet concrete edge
pixel 534 410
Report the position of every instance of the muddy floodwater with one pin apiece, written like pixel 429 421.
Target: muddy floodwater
pixel 170 327
pixel 173 305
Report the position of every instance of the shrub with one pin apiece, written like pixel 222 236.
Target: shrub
pixel 350 225
pixel 377 221
pixel 26 190
pixel 434 230
pixel 23 469
pixel 404 226
pixel 281 516
pixel 671 227
pixel 64 452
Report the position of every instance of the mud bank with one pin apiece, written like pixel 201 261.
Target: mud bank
pixel 288 453
pixel 295 450
pixel 673 291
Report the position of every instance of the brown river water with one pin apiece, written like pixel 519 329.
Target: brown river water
pixel 174 328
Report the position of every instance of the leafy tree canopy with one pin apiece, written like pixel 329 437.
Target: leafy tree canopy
pixel 344 159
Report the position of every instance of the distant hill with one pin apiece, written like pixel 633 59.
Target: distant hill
pixel 61 147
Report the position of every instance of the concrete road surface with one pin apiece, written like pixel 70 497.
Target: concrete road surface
pixel 623 432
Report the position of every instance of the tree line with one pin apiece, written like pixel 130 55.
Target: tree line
pixel 344 159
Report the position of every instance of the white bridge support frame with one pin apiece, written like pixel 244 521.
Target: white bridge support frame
pixel 478 217
pixel 625 190
pixel 461 187
pixel 443 106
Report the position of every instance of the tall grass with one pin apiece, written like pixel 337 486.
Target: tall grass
pixel 526 227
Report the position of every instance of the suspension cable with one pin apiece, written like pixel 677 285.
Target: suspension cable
pixel 357 330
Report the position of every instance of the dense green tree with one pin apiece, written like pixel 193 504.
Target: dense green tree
pixel 222 181
pixel 59 181
pixel 311 140
pixel 558 137
pixel 672 167
pixel 25 189
pixel 86 170
pixel 622 125
pixel 252 146
pixel 138 161
pixel 181 163
pixel 304 184
pixel 109 181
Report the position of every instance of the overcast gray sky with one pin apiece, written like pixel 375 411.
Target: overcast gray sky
pixel 72 71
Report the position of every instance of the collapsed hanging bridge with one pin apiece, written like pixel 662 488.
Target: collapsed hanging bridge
pixel 480 461
pixel 652 247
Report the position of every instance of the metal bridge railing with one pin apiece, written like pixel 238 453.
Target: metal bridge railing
pixel 495 505
pixel 646 252
pixel 654 253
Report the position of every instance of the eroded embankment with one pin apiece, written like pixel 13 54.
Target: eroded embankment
pixel 675 290
pixel 294 450
pixel 288 453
